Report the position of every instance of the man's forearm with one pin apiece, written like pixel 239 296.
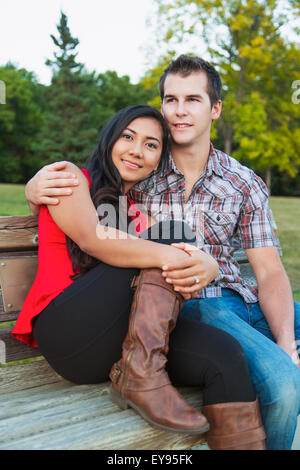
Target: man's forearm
pixel 276 302
pixel 275 296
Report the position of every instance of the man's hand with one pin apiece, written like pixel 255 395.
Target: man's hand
pixel 48 184
pixel 291 349
pixel 199 265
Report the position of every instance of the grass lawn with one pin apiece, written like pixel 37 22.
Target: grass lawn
pixel 285 210
pixel 12 200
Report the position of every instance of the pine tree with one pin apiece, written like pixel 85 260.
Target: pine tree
pixel 68 132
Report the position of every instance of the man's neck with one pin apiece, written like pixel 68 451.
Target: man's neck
pixel 191 160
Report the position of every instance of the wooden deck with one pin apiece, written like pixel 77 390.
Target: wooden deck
pixel 41 411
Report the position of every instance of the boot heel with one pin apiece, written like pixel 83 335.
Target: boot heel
pixel 118 400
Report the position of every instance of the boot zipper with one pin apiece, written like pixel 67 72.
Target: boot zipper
pixel 133 337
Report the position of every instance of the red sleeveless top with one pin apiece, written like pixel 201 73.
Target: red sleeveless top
pixel 54 270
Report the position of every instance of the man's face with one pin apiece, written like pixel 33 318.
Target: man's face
pixel 186 107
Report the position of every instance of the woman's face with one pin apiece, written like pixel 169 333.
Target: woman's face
pixel 137 151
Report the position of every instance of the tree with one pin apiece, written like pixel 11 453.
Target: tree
pixel 257 64
pixel 20 122
pixel 68 131
pixel 80 103
pixel 117 92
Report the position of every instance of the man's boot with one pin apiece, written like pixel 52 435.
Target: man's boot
pixel 235 426
pixel 139 379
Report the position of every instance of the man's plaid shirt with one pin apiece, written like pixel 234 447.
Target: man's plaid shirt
pixel 227 200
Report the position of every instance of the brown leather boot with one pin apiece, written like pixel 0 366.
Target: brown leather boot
pixel 139 379
pixel 235 426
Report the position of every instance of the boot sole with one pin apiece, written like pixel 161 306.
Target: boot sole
pixel 124 404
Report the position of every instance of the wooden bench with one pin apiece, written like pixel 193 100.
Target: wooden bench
pixel 41 410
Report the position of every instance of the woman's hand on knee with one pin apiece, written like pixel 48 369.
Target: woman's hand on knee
pixel 190 275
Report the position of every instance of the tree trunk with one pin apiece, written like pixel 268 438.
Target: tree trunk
pixel 227 129
pixel 228 144
pixel 268 178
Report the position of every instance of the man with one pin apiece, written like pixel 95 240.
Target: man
pixel 221 198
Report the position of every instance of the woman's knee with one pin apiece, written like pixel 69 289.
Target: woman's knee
pixel 170 231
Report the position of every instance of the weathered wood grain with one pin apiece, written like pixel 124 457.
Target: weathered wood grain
pixel 15 350
pixel 46 397
pixel 18 233
pixel 7 258
pixel 26 376
pixel 49 417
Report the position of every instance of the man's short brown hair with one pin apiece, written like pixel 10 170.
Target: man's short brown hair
pixel 184 65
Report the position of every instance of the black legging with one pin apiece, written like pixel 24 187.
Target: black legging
pixel 81 333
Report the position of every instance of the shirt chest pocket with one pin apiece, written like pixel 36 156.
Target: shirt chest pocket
pixel 219 227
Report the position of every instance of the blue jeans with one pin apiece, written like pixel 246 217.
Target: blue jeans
pixel 275 376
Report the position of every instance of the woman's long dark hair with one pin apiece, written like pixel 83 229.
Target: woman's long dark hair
pixel 107 185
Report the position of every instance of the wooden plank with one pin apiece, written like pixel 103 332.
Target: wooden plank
pixel 240 256
pixel 18 233
pixel 26 376
pixel 5 317
pixel 15 350
pixel 125 430
pixel 6 257
pixel 247 274
pixel 17 274
pixel 84 418
pixel 45 396
pixel 36 412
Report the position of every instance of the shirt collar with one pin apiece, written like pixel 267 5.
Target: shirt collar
pixel 213 164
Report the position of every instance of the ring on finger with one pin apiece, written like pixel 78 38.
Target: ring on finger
pixel 196 279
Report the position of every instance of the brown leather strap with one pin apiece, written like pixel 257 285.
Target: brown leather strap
pixel 148 383
pixel 139 384
pixel 240 439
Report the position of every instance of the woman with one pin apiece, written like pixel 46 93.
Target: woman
pixel 85 272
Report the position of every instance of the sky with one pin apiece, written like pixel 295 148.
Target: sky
pixel 112 34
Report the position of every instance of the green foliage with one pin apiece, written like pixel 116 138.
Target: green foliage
pixel 41 124
pixel 20 121
pixel 259 121
pixel 151 78
pixel 68 132
pixel 259 124
pixel 65 62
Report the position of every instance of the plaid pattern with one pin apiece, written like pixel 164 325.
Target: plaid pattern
pixel 228 200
